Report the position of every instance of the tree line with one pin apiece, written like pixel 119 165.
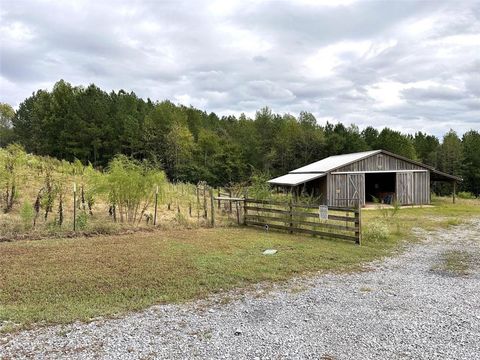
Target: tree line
pixel 92 125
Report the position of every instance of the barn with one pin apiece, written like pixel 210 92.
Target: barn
pixel 365 177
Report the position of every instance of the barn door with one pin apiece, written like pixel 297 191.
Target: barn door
pixel 355 189
pixel 404 188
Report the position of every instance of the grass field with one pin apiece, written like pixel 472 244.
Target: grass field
pixel 63 280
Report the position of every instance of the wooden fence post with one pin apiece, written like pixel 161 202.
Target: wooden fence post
pixel 198 204
pixel 245 207
pixel 230 202
pixel 204 201
pixel 212 208
pixel 290 214
pixel 219 194
pixel 238 212
pixel 358 232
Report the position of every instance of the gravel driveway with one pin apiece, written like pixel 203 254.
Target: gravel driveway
pixel 406 307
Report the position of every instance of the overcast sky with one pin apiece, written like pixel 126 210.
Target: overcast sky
pixel 407 65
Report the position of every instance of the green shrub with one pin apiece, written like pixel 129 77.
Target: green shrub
pixel 53 228
pixel 260 189
pixel 376 231
pixel 182 220
pixel 82 220
pixel 465 195
pixel 103 228
pixel 131 187
pixel 27 213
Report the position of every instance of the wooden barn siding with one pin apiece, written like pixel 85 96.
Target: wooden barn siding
pixel 413 188
pixel 345 189
pixel 386 162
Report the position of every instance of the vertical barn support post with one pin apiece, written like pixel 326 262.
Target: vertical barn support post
pixel 156 206
pixel 212 208
pixel 74 207
pixel 454 191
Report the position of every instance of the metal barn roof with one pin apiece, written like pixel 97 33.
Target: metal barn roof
pixel 295 179
pixel 333 162
pixel 320 168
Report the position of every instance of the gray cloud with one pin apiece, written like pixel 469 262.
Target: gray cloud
pixel 408 65
pixel 437 93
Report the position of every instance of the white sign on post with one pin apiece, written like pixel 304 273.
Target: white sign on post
pixel 323 212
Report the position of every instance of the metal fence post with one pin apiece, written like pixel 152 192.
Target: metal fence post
pixel 156 206
pixel 74 207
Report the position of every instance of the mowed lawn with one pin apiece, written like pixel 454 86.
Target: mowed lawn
pixel 63 280
pixel 68 279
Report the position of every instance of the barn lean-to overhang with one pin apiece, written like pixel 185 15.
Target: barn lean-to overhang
pixel 296 179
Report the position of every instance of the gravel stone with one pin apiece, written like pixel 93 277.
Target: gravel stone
pixel 398 309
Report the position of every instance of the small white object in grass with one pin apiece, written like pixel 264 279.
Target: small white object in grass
pixel 270 252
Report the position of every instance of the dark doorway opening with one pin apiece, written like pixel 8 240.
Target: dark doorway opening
pixel 380 187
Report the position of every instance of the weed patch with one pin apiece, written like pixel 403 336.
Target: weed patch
pixel 454 263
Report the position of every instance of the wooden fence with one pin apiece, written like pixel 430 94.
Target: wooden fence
pixel 341 222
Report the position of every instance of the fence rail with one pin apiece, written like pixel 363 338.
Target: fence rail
pixel 342 222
